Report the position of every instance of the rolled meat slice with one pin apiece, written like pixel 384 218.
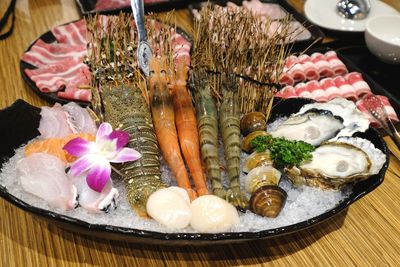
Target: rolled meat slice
pixel 316 91
pixel 360 105
pixel 356 80
pixel 297 72
pixel 310 69
pixel 287 92
pixel 330 88
pixel 302 90
pixel 346 90
pixel 338 67
pixel 322 64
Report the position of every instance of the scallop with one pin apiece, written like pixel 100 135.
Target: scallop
pixel 252 121
pixel 260 176
pixel 257 159
pixel 246 142
pixel 311 127
pixel 211 214
pixel 170 207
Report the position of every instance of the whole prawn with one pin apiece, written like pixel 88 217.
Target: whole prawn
pixel 229 123
pixel 207 120
pixel 186 124
pixel 164 123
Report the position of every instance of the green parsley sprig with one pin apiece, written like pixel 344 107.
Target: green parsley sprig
pixel 284 153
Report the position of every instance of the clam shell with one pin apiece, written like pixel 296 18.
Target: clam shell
pixel 252 121
pixel 246 142
pixel 257 159
pixel 268 201
pixel 261 176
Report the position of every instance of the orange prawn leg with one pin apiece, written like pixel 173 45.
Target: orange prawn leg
pixel 185 119
pixel 164 124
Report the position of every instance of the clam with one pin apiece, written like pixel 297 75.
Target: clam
pixel 246 142
pixel 260 176
pixel 252 121
pixel 267 198
pixel 268 201
pixel 257 159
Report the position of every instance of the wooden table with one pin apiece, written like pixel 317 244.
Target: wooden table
pixel 367 234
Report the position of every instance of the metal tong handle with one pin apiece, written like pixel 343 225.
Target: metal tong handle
pixel 138 14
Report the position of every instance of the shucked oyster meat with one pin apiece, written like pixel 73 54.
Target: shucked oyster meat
pixel 319 122
pixel 340 162
pixel 311 127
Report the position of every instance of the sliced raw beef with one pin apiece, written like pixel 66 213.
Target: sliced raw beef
pixel 322 64
pixel 302 90
pixel 43 54
pixel 310 69
pixel 316 91
pixel 330 88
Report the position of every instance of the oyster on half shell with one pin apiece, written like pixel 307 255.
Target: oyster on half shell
pixel 313 127
pixel 336 163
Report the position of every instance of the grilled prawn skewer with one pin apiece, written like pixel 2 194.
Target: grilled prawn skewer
pixel 207 121
pixel 229 123
pixel 186 124
pixel 164 123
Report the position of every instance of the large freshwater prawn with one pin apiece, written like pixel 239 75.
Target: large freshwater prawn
pixel 164 123
pixel 185 119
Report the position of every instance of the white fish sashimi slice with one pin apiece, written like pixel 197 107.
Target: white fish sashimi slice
pixel 43 175
pixel 54 122
pixel 93 201
pixel 80 118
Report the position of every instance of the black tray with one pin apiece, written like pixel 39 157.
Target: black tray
pixel 88 7
pixel 52 97
pixel 19 125
pixel 316 34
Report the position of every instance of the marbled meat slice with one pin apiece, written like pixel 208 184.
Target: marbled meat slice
pixel 73 33
pixel 68 74
pixel 43 54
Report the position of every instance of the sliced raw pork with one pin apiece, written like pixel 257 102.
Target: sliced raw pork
pixel 43 54
pixel 73 33
pixel 43 175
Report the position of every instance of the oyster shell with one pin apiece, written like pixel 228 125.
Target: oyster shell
pixel 353 120
pixel 336 163
pixel 257 159
pixel 313 127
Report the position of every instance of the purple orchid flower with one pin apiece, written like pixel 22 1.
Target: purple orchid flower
pixel 95 157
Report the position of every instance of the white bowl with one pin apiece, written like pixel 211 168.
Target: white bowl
pixel 382 36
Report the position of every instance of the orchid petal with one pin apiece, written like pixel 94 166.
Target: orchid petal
pixel 83 164
pixel 122 138
pixel 78 147
pixel 105 129
pixel 126 154
pixel 98 176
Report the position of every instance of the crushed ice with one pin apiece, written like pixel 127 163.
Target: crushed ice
pixel 302 204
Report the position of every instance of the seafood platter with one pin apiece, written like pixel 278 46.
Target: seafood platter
pixel 303 32
pixel 114 6
pixel 199 150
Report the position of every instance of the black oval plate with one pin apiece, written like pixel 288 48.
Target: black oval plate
pixel 19 125
pixel 52 98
